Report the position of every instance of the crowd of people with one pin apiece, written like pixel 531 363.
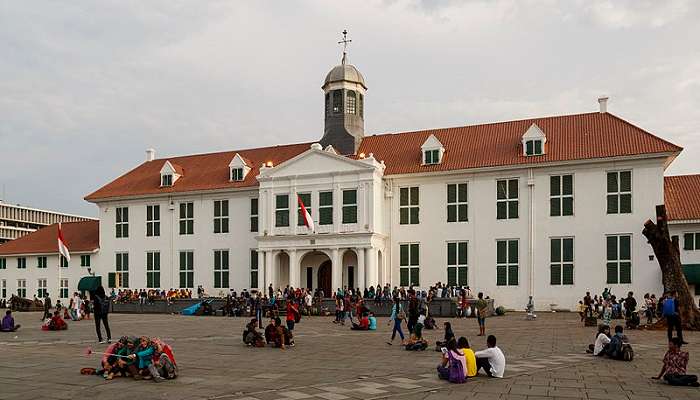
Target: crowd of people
pixel 139 358
pixel 148 296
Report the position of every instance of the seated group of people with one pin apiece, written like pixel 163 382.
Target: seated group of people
pixel 366 322
pixel 140 358
pixel 616 346
pixel 8 323
pixel 276 334
pixel 55 323
pixel 459 362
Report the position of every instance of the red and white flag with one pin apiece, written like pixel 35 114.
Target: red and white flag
pixel 306 215
pixel 62 247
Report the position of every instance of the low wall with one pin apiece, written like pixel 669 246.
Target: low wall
pixel 440 307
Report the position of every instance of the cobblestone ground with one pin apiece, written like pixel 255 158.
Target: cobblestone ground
pixel 546 360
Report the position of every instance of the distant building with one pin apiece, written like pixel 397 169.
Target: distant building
pixel 17 221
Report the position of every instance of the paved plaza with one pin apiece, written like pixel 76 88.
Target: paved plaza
pixel 546 360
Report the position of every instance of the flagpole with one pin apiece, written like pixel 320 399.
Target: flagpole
pixel 59 262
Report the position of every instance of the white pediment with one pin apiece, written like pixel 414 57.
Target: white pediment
pixel 314 161
pixel 167 169
pixel 534 132
pixel 237 161
pixel 431 143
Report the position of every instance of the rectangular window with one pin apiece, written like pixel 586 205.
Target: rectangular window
pixel 350 206
pixel 3 289
pixel 282 210
pixel 457 267
pixel 431 157
pixel 22 288
pixel 457 202
pixel 408 205
pixel 63 262
pixel 121 276
pixel 153 220
pixel 533 148
pixel 409 261
pixel 221 269
pixel 220 216
pixel 691 241
pixel 254 269
pixel 187 218
pixel 3 265
pixel 186 269
pixel 21 263
pixel 85 260
pixel 561 261
pixel 122 222
pixel 619 255
pixel 253 215
pixel 306 199
pixel 63 290
pixel 561 195
pixel 507 262
pixel 325 208
pixel 41 288
pixel 41 262
pixel 620 192
pixel 153 269
pixel 237 174
pixel 166 180
pixel 507 199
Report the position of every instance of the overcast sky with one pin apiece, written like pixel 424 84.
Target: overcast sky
pixel 87 86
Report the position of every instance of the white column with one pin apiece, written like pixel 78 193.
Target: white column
pixel 372 275
pixel 270 274
pixel 337 270
pixel 293 269
pixel 361 268
pixel 262 273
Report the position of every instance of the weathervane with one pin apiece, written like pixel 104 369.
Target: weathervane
pixel 345 42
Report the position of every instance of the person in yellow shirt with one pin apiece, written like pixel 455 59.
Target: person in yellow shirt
pixel 463 346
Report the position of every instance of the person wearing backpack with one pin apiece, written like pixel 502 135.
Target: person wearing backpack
pixel 673 317
pixel 102 305
pixel 453 366
pixel 618 348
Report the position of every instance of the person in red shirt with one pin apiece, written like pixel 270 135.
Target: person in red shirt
pixel 292 314
pixel 675 366
pixel 363 324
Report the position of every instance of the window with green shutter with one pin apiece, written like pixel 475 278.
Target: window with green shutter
pixel 254 269
pixel 3 263
pixel 41 262
pixel 282 210
pixel 457 206
pixel 221 269
pixel 306 199
pixel 253 215
pixel 186 269
pixel 325 208
pixel 619 259
pixel 409 262
pixel 691 241
pixel 152 220
pixel 220 216
pixel 85 260
pixel 533 147
pixel 619 188
pixel 431 157
pixel 350 206
pixel 122 270
pixel 187 218
pixel 122 222
pixel 153 269
pixel 562 261
pixel 507 270
pixel 507 199
pixel 408 205
pixel 561 195
pixel 457 267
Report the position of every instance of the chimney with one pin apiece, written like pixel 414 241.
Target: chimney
pixel 150 155
pixel 603 103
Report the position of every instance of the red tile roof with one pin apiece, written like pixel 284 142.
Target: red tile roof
pixel 682 197
pixel 81 236
pixel 200 172
pixel 569 137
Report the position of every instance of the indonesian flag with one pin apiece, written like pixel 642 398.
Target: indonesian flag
pixel 62 247
pixel 305 214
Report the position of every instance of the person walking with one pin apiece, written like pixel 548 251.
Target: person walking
pixel 673 318
pixel 102 305
pixel 412 311
pixel 482 310
pixel 397 317
pixel 258 309
pixel 47 307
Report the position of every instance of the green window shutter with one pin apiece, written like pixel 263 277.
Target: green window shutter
pixel 513 209
pixel 613 206
pixel 625 251
pixel 567 206
pixel 463 276
pixel 125 279
pixel 555 250
pixel 513 189
pixel 529 147
pixel 349 196
pixel 463 216
pixel 697 242
pixel 611 273
pixel 501 275
pixel 349 214
pixel 217 279
pixel 224 279
pixel 512 275
pixel 325 199
pixel 612 182
pixel 625 203
pixel 414 215
pixel 688 239
pixel 611 245
pixel 462 247
pixel 325 216
pixel 282 201
pixel 626 181
pixel 625 272
pixel 403 216
pixel 414 196
pixel 403 277
pixel 462 192
pixel 567 184
pixel 555 274
pixel 149 280
pixel 568 249
pixel 183 259
pixel 451 276
pixel 501 210
pixel 452 193
pixel 512 251
pixel 452 213
pixel 253 206
pixel 403 255
pixel 555 206
pixel 501 189
pixel 501 251
pixel 554 185
pixel 451 253
pixel 415 254
pixel 415 276
pixel 254 279
pixel 403 196
pixel 538 147
pixel 306 199
pixel 568 274
pixel 111 280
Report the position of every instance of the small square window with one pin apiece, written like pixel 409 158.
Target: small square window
pixel 237 174
pixel 166 180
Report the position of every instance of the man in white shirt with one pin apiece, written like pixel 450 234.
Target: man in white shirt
pixel 491 359
pixel 601 341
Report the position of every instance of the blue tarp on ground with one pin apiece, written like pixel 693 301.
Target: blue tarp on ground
pixel 191 310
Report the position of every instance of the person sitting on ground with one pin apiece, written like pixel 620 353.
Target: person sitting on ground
pixel 251 336
pixel 163 360
pixel 270 332
pixel 110 359
pixel 372 321
pixel 420 323
pixel 453 365
pixel 362 325
pixel 283 337
pixel 416 343
pixel 491 359
pixel 125 362
pixel 8 323
pixel 56 323
pixel 602 341
pixel 674 370
pixel 470 358
pixel 144 354
pixel 449 335
pixel 618 342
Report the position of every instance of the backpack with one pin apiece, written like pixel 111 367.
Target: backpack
pixel 669 307
pixel 627 352
pixel 457 373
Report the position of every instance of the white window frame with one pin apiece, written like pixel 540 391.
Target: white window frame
pixel 457 265
pixel 223 216
pixel 63 288
pixel 507 200
pixel 153 223
pixel 187 219
pixel 22 285
pixel 457 203
pixel 561 196
pixel 121 223
pixel 561 263
pixel 41 288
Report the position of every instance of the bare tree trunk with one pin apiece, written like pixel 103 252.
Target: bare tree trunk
pixel 669 257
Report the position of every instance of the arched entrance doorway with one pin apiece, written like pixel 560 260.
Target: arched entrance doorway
pixel 324 278
pixel 317 272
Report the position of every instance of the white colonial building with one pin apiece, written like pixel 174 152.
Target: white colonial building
pixel 545 207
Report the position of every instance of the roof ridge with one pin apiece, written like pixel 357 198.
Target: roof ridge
pixel 232 151
pixel 645 131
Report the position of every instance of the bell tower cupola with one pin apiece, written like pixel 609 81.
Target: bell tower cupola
pixel 344 90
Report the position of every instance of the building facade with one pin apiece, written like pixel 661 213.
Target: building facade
pixel 545 207
pixel 17 221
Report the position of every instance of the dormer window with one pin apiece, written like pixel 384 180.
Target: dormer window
pixel 533 141
pixel 166 180
pixel 238 168
pixel 432 150
pixel 237 174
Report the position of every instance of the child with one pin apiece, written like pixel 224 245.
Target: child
pixel 372 321
pixel 582 310
pixel 8 323
pixel 449 335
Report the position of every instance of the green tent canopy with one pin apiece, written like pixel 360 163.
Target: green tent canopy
pixel 89 283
